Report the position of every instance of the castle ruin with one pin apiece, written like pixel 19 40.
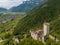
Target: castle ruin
pixel 41 33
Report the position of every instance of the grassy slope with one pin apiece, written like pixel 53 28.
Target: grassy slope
pixel 9 27
pixel 7 36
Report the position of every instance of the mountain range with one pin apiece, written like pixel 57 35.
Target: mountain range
pixel 26 6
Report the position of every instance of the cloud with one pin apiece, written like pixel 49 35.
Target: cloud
pixel 10 3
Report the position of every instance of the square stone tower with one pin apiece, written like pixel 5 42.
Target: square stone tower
pixel 45 28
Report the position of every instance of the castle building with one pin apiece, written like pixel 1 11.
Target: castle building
pixel 40 33
pixel 46 29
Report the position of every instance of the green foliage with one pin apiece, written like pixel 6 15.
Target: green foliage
pixel 55 28
pixel 30 41
pixel 8 42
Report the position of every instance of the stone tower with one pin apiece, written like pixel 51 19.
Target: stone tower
pixel 46 29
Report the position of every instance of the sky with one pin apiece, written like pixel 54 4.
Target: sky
pixel 10 3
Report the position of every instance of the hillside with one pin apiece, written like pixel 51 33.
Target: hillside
pixel 49 12
pixel 46 12
pixel 6 31
pixel 55 28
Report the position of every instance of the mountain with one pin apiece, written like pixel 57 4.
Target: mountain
pixel 3 9
pixel 26 6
